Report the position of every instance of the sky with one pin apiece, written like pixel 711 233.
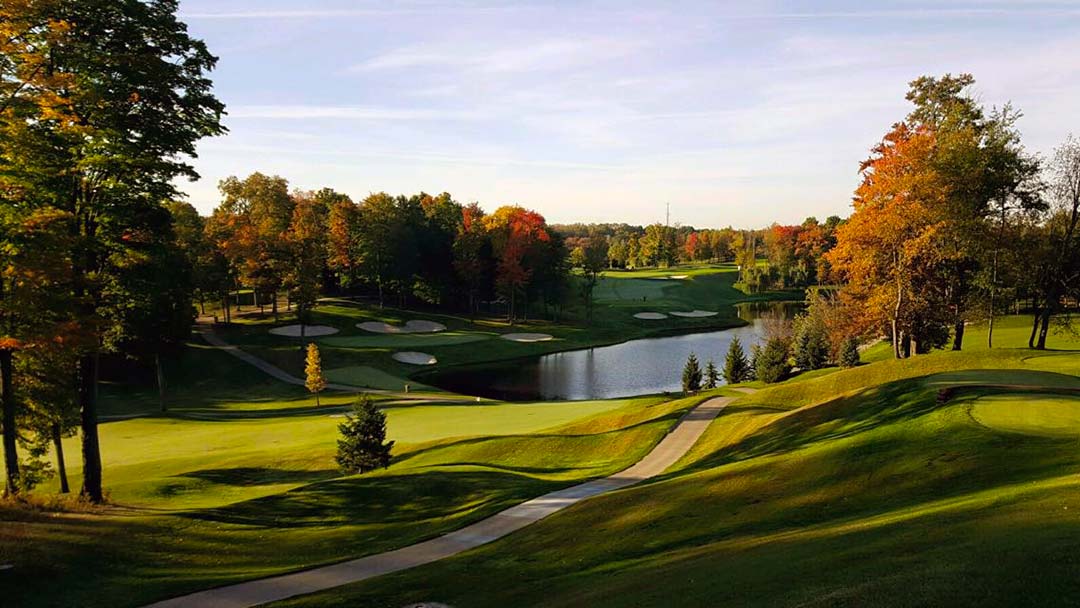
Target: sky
pixel 732 113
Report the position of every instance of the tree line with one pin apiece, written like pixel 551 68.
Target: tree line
pixel 776 257
pixel 419 249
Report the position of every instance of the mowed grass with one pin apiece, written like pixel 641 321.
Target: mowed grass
pixel 201 502
pixel 618 295
pixel 1029 413
pixel 874 494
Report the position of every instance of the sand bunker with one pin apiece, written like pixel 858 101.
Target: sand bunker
pixel 526 337
pixel 310 331
pixel 679 277
pixel 415 358
pixel 694 313
pixel 411 327
pixel 650 316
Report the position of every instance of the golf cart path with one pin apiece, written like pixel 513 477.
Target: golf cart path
pixel 671 448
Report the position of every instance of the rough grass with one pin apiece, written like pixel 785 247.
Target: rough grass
pixel 854 488
pixel 200 503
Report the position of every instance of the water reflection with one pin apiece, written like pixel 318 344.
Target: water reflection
pixel 649 365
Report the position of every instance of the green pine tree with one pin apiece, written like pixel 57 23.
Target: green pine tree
pixel 712 375
pixel 736 367
pixel 691 375
pixel 773 362
pixel 849 353
pixel 363 446
pixel 811 345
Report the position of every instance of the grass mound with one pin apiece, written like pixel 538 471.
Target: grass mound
pixel 855 487
pixel 1041 414
pixel 203 502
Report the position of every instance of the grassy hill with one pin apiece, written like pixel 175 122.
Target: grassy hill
pixel 859 487
pixel 222 489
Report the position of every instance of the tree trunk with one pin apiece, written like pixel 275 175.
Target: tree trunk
pixel 202 304
pixel 993 295
pixel 1043 329
pixel 91 452
pixel 958 334
pixel 896 320
pixel 61 465
pixel 317 404
pixel 273 306
pixel 7 402
pixel 160 372
pixel 1034 326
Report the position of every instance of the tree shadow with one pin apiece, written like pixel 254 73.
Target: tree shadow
pixel 259 476
pixel 845 416
pixel 379 499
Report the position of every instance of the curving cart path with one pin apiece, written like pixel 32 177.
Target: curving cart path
pixel 242 595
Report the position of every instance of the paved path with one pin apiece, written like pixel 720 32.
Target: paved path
pixel 672 447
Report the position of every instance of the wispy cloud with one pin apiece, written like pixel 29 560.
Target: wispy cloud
pixel 510 57
pixel 310 112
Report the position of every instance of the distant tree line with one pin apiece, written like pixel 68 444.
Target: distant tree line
pixel 777 257
pixel 404 249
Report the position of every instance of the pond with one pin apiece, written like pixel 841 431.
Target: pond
pixel 637 367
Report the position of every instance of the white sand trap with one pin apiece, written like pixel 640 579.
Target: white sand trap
pixel 694 313
pixel 650 316
pixel 679 277
pixel 310 331
pixel 526 337
pixel 415 358
pixel 411 327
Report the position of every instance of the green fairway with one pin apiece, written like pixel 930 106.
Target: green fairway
pixel 857 487
pixel 404 340
pixel 1031 413
pixel 251 492
pixel 353 353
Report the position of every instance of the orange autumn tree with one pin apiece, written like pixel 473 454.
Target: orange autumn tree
pixel 516 233
pixel 889 250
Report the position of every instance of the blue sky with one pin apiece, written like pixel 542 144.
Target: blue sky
pixel 734 113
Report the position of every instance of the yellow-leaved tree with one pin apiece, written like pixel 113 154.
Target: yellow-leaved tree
pixel 315 381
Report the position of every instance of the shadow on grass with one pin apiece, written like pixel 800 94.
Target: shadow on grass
pixel 866 410
pixel 259 476
pixel 380 499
